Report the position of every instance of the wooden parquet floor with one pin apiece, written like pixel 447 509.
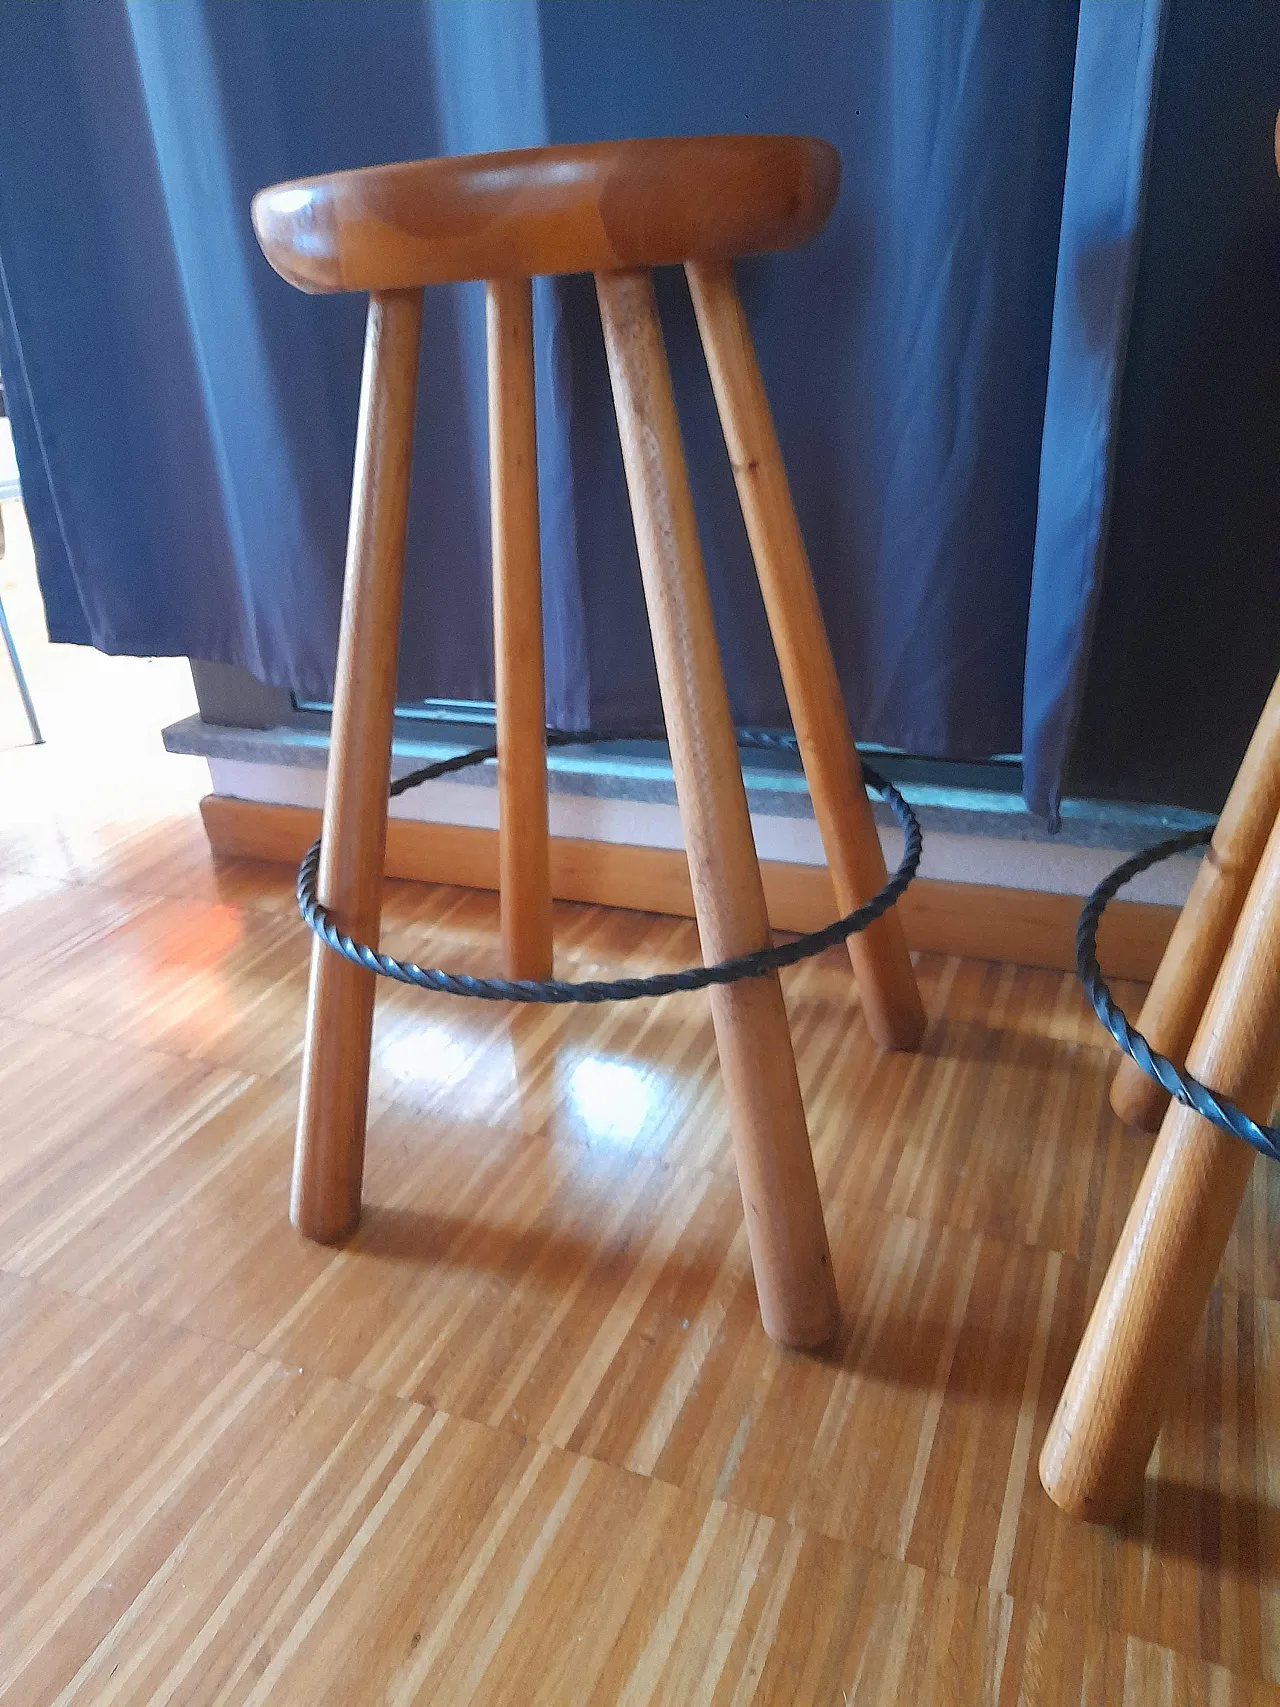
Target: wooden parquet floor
pixel 523 1439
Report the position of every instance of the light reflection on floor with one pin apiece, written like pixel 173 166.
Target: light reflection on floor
pixel 612 1098
pixel 604 1099
pixel 438 1055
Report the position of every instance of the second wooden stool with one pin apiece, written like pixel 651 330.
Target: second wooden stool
pixel 1215 1003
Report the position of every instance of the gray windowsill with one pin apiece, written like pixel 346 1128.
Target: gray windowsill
pixel 641 772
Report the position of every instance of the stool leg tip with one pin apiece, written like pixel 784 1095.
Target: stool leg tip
pixel 904 1031
pixel 803 1324
pixel 323 1217
pixel 320 1232
pixel 1078 1494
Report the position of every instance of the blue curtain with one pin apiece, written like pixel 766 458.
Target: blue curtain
pixel 185 421
pixel 1116 53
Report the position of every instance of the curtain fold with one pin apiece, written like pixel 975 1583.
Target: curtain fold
pixel 1111 118
pixel 185 422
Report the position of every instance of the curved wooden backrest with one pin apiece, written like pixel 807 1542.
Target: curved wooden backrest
pixel 594 207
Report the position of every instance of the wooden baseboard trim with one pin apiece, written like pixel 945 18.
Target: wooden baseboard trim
pixel 1026 926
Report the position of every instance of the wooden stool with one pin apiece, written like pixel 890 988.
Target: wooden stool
pixel 1216 1001
pixel 617 210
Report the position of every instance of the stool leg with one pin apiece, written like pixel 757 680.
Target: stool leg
pixel 524 881
pixel 1190 964
pixel 329 1151
pixel 24 692
pixel 1156 1287
pixel 785 1228
pixel 886 979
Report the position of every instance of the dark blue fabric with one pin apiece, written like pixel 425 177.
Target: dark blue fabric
pixel 185 421
pixel 1186 638
pixel 1116 56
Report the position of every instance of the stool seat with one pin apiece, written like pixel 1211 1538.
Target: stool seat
pixel 592 207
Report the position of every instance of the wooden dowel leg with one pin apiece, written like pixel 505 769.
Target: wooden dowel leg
pixel 886 979
pixel 523 854
pixel 785 1228
pixel 1159 1280
pixel 1190 964
pixel 329 1152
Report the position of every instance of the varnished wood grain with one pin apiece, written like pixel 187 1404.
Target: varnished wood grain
pixel 775 1168
pixel 519 693
pixel 524 1437
pixel 325 1198
pixel 890 999
pixel 1177 1230
pixel 1031 927
pixel 1199 943
pixel 568 209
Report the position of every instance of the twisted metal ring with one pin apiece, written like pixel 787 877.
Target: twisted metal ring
pixel 558 991
pixel 1180 1084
